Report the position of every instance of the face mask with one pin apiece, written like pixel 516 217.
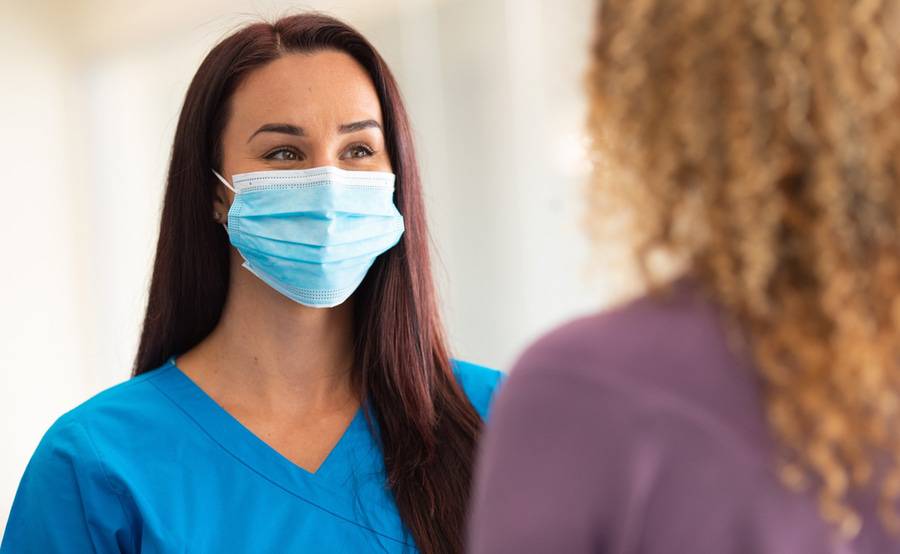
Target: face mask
pixel 313 234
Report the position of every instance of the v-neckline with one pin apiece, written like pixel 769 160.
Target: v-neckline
pixel 336 485
pixel 217 411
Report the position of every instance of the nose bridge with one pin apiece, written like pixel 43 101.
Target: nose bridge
pixel 323 160
pixel 322 154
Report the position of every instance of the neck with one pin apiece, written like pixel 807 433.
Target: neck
pixel 275 353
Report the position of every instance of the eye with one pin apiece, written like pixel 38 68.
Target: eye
pixel 358 151
pixel 283 154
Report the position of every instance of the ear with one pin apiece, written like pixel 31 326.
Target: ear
pixel 222 200
pixel 221 204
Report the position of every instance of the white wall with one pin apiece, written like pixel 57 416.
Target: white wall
pixel 91 96
pixel 42 353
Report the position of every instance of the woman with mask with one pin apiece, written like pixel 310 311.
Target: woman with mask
pixel 293 390
pixel 753 405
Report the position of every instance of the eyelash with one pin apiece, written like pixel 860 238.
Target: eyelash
pixel 369 151
pixel 272 153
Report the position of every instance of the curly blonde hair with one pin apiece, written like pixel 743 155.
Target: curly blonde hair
pixel 757 142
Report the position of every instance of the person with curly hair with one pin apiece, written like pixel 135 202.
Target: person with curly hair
pixel 751 404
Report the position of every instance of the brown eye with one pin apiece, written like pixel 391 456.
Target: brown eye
pixel 359 151
pixel 283 155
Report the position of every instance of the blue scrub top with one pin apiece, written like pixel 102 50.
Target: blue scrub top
pixel 155 465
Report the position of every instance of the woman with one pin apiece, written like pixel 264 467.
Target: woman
pixel 751 406
pixel 292 390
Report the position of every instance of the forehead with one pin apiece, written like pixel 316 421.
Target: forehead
pixel 305 89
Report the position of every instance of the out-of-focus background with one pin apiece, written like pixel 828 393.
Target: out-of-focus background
pixel 90 97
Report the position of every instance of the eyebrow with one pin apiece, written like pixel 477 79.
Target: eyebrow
pixel 283 128
pixel 288 129
pixel 359 126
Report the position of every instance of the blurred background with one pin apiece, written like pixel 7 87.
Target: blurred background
pixel 91 94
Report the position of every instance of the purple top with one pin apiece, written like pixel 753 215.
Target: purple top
pixel 640 431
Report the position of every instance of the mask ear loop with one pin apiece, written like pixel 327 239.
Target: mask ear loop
pixel 224 182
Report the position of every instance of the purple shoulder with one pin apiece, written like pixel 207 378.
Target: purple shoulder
pixel 674 344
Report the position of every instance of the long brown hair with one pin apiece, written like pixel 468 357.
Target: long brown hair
pixel 428 429
pixel 758 142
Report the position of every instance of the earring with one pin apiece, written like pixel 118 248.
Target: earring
pixel 217 216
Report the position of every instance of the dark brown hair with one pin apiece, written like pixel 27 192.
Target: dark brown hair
pixel 428 429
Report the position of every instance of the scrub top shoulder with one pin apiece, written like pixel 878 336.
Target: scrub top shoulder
pixel 154 464
pixel 479 383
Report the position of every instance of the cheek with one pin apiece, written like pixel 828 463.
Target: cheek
pixel 380 162
pixel 383 158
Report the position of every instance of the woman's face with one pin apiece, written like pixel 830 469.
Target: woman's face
pixel 302 111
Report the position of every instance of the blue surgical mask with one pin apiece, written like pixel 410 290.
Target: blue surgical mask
pixel 313 234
